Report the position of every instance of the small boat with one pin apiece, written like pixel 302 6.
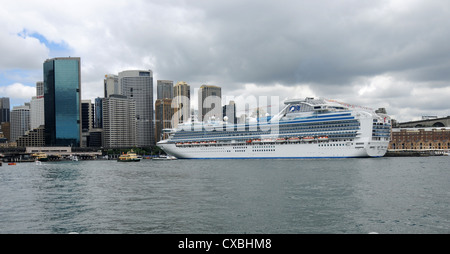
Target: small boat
pixel 130 156
pixel 12 163
pixel 164 157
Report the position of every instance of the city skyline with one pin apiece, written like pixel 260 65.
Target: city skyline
pixel 377 54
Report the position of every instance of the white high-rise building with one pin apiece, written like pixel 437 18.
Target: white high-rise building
pixel 37 117
pixel 111 85
pixel 138 85
pixel 119 121
pixel 20 121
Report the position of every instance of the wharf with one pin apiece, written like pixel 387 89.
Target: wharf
pixel 416 152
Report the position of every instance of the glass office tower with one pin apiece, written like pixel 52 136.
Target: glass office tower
pixel 62 91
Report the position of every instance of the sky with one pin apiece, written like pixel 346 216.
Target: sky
pixel 393 54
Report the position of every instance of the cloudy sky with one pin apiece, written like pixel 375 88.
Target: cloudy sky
pixel 393 54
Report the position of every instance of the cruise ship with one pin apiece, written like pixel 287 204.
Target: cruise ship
pixel 304 128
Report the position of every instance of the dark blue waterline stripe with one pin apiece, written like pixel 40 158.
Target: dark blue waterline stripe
pixel 276 158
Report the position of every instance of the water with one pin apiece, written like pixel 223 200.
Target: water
pixel 337 196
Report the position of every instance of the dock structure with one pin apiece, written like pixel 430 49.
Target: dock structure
pixel 54 153
pixel 416 152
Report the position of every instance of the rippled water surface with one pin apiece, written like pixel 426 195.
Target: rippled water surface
pixel 384 195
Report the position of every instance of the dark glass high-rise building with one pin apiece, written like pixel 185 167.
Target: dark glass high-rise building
pixel 62 96
pixel 4 110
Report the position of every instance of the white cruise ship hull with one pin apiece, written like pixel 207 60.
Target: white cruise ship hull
pixel 279 151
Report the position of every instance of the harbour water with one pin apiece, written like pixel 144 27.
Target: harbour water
pixel 407 195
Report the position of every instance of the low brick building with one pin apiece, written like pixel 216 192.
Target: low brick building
pixel 420 138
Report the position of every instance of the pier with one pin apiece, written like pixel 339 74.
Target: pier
pixel 416 152
pixel 53 153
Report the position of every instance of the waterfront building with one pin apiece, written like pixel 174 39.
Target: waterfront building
pixel 4 110
pixel 95 137
pixel 6 130
pixel 111 85
pixel 138 85
pixel 209 103
pixel 62 97
pixel 181 99
pixel 164 89
pixel 420 138
pixel 32 138
pixel 163 117
pixel 20 121
pixel 119 121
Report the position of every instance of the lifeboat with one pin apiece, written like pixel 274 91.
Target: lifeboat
pixel 213 142
pixel 281 140
pixel 308 139
pixel 323 138
pixel 257 141
pixel 248 141
pixel 267 140
pixel 294 139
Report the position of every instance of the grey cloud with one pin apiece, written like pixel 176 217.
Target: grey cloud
pixel 302 42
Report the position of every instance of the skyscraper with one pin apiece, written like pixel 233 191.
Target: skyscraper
pixel 209 103
pixel 20 122
pixel 62 96
pixel 230 112
pixel 111 85
pixel 37 107
pixel 164 89
pixel 163 117
pixel 98 113
pixel 4 110
pixel 87 121
pixel 119 121
pixel 138 85
pixel 181 98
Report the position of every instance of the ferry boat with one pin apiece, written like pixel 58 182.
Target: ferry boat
pixel 130 156
pixel 304 128
pixel 40 156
